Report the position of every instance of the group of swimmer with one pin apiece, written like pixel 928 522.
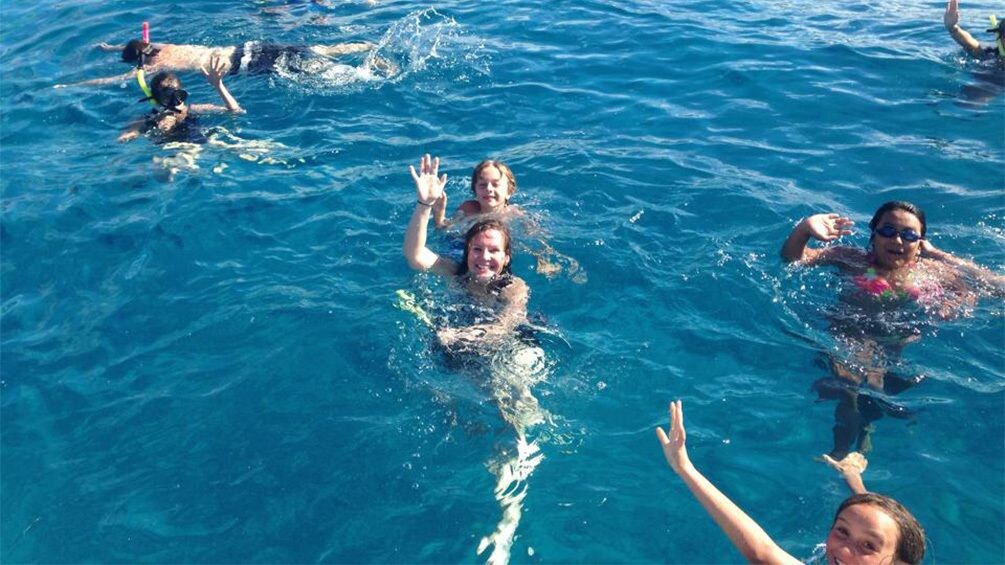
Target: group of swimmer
pixel 173 116
pixel 901 267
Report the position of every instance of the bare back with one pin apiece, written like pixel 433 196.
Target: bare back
pixel 188 57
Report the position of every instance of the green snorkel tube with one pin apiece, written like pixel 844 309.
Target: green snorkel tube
pixel 142 80
pixel 996 28
pixel 141 76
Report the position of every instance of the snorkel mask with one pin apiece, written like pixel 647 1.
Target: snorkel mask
pixel 172 98
pixel 998 28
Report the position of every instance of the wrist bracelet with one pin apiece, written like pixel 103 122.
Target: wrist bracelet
pixel 430 205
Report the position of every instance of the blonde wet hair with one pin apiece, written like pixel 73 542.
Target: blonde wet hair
pixel 502 167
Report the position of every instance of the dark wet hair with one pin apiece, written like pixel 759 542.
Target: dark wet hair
pixel 135 48
pixel 162 85
pixel 898 205
pixel 484 226
pixel 910 535
pixel 503 168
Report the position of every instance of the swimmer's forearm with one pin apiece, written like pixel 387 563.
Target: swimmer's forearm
pixel 855 483
pixel 968 266
pixel 100 81
pixel 982 275
pixel 795 245
pixel 418 255
pixel 965 40
pixel 228 99
pixel 747 536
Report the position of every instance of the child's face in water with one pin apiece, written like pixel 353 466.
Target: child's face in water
pixel 863 533
pixel 487 254
pixel 492 189
pixel 895 252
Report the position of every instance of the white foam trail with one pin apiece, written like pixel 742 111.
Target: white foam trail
pixel 514 371
pixel 511 489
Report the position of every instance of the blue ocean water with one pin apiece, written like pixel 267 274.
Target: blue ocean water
pixel 201 357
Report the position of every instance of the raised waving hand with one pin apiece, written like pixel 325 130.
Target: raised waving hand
pixel 828 227
pixel 428 187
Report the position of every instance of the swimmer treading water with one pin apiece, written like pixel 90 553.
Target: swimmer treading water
pixel 493 185
pixel 489 339
pixel 897 286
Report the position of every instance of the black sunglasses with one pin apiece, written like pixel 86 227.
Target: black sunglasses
pixel 906 234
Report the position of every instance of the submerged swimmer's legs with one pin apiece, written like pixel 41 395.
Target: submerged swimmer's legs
pixel 513 373
pixel 853 418
pixel 511 489
pixel 856 385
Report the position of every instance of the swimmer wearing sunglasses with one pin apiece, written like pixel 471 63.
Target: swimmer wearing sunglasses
pixel 900 261
pixel 897 285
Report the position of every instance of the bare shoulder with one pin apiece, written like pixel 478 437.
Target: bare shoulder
pixel 516 291
pixel 470 208
pixel 842 256
pixel 939 271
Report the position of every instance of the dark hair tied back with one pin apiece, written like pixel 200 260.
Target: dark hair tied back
pixel 898 205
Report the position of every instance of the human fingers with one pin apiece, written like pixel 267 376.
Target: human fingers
pixel 830 461
pixel 662 436
pixel 436 166
pixel 443 182
pixel 425 163
pixel 415 175
pixel 677 421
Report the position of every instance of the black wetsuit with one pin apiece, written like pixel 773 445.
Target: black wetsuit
pixel 187 131
pixel 255 57
pixel 989 52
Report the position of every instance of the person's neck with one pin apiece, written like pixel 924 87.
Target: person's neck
pixel 892 274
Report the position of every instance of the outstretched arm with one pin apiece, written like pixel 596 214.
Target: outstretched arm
pixel 214 75
pixel 748 537
pixel 985 278
pixel 952 20
pixel 107 48
pixel 428 189
pixel 133 131
pixel 822 227
pixel 100 81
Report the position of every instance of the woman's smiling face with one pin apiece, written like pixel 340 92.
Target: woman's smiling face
pixel 487 254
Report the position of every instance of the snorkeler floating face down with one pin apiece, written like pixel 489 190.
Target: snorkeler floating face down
pixel 492 184
pixel 896 239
